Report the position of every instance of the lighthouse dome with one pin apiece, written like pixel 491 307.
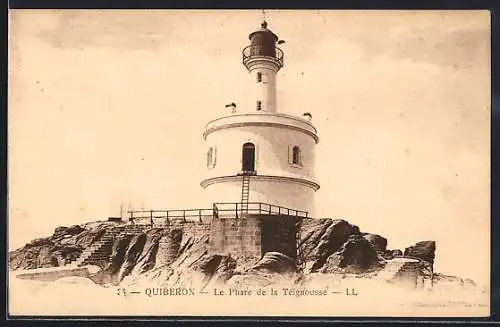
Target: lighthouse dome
pixel 263 42
pixel 263 34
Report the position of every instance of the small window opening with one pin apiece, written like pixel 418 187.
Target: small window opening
pixel 259 105
pixel 259 77
pixel 209 157
pixel 296 155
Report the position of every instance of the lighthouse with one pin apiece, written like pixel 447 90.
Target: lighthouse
pixel 255 151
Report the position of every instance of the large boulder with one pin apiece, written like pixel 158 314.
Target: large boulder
pixel 378 242
pixel 217 268
pixel 424 250
pixel 356 255
pixel 323 237
pixel 275 262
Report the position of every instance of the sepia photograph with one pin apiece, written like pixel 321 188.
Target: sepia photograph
pixel 301 163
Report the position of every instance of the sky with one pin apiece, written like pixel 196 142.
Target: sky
pixel 108 108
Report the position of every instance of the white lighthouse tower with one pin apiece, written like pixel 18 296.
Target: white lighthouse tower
pixel 255 152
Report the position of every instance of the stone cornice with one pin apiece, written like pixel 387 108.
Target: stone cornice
pixel 259 123
pixel 236 178
pixel 264 114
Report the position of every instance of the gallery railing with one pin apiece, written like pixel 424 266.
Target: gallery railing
pixel 256 51
pixel 218 210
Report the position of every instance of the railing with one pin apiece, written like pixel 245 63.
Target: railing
pixel 237 210
pixel 255 51
pixel 149 216
pixel 219 210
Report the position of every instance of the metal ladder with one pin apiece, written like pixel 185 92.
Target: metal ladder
pixel 245 190
pixel 300 254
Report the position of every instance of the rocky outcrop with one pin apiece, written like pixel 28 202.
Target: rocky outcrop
pixel 356 255
pixel 378 242
pixel 181 255
pixel 323 237
pixel 423 250
pixel 446 282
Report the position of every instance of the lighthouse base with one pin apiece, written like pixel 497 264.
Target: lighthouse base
pixel 253 236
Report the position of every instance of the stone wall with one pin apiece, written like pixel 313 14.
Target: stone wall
pixel 237 236
pixel 255 235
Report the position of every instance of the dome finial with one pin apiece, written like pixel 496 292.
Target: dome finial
pixel 264 24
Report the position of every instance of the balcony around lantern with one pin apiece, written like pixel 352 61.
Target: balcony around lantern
pixel 261 51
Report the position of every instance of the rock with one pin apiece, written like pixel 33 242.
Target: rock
pixel 60 230
pixel 275 262
pixel 133 253
pixel 396 253
pixel 469 283
pixel 218 268
pixel 46 259
pixel 323 237
pixel 356 255
pixel 378 242
pixel 72 230
pixel 390 254
pixel 39 242
pixel 118 252
pixel 385 255
pixel 181 255
pixel 147 259
pixel 446 282
pixel 423 250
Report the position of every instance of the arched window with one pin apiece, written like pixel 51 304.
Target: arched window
pixel 248 157
pixel 259 77
pixel 296 155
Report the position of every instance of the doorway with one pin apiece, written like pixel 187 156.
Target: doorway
pixel 248 157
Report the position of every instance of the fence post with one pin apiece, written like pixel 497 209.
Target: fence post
pixel 132 217
pixel 279 210
pixel 236 210
pixel 184 215
pixel 287 212
pixel 151 217
pixel 199 212
pixel 216 212
pixel 269 209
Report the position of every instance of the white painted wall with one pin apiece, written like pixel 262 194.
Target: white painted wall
pixel 291 195
pixel 264 91
pixel 271 147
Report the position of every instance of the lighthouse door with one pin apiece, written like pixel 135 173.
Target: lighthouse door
pixel 248 158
